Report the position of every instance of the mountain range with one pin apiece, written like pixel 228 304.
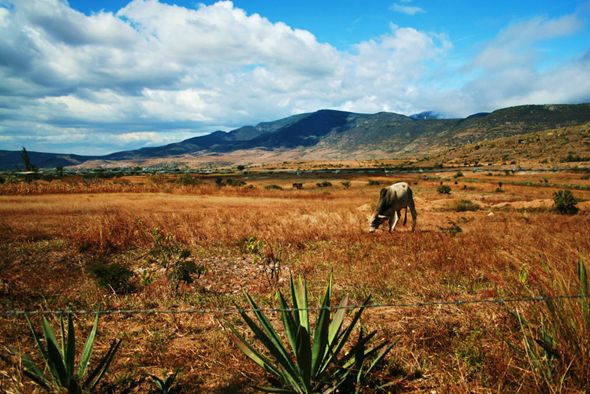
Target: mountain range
pixel 332 135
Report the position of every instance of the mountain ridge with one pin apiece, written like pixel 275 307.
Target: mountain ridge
pixel 339 134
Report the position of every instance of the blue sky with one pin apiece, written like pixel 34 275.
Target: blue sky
pixel 94 77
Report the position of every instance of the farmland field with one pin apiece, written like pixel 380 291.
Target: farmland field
pixel 254 237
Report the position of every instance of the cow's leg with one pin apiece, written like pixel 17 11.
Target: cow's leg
pixel 393 221
pixel 414 214
pixel 405 216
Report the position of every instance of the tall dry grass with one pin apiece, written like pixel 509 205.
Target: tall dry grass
pixel 50 239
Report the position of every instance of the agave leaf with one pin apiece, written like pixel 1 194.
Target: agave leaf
pixel 343 338
pixel 337 320
pixel 321 333
pixel 382 354
pixel 63 336
pixel 253 354
pixel 304 357
pixel 269 336
pixel 70 350
pixel 55 359
pixel 34 372
pixel 159 382
pixel 288 369
pixel 273 389
pixel 290 324
pixel 96 375
pixel 37 340
pixel 299 293
pixel 87 351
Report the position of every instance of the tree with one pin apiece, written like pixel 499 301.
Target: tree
pixel 27 160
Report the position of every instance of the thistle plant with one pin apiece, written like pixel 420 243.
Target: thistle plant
pixel 60 359
pixel 311 360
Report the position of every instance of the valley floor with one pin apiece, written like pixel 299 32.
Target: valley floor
pixel 254 237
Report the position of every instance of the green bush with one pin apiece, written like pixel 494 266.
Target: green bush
pixel 443 189
pixel 345 184
pixel 60 360
pixel 312 360
pixel 273 187
pixel 466 205
pixel 324 184
pixel 373 182
pixel 112 276
pixel 565 203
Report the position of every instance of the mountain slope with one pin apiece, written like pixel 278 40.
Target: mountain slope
pixel 336 135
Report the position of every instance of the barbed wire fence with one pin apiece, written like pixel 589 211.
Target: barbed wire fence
pixel 235 310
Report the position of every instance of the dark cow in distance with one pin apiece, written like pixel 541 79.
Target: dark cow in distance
pixel 392 200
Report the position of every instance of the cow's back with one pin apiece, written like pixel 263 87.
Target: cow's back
pixel 399 194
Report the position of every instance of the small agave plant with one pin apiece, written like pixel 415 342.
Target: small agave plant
pixel 311 360
pixel 60 360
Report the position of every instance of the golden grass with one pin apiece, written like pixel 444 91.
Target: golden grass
pixel 49 239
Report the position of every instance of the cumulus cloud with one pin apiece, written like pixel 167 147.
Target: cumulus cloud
pixel 153 73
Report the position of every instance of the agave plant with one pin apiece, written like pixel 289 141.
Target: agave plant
pixel 60 359
pixel 165 384
pixel 312 360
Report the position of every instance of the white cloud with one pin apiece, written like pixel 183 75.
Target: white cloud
pixel 105 81
pixel 406 9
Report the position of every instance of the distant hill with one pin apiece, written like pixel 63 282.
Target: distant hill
pixel 12 160
pixel 330 134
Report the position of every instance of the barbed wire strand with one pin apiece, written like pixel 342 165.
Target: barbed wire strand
pixel 228 311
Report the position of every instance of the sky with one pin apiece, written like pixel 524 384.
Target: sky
pixel 99 76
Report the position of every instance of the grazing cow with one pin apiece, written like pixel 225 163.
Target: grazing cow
pixel 298 186
pixel 392 200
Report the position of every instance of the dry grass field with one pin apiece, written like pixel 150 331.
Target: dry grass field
pixel 255 238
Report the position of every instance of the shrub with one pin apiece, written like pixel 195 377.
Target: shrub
pixel 324 184
pixel 112 276
pixel 373 182
pixel 174 258
pixel 188 180
pixel 459 174
pixel 60 360
pixel 235 182
pixel 252 245
pixel 221 182
pixel 311 360
pixel 273 187
pixel 564 202
pixel 345 184
pixel 466 205
pixel 443 189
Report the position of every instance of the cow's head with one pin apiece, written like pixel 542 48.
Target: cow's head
pixel 376 222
